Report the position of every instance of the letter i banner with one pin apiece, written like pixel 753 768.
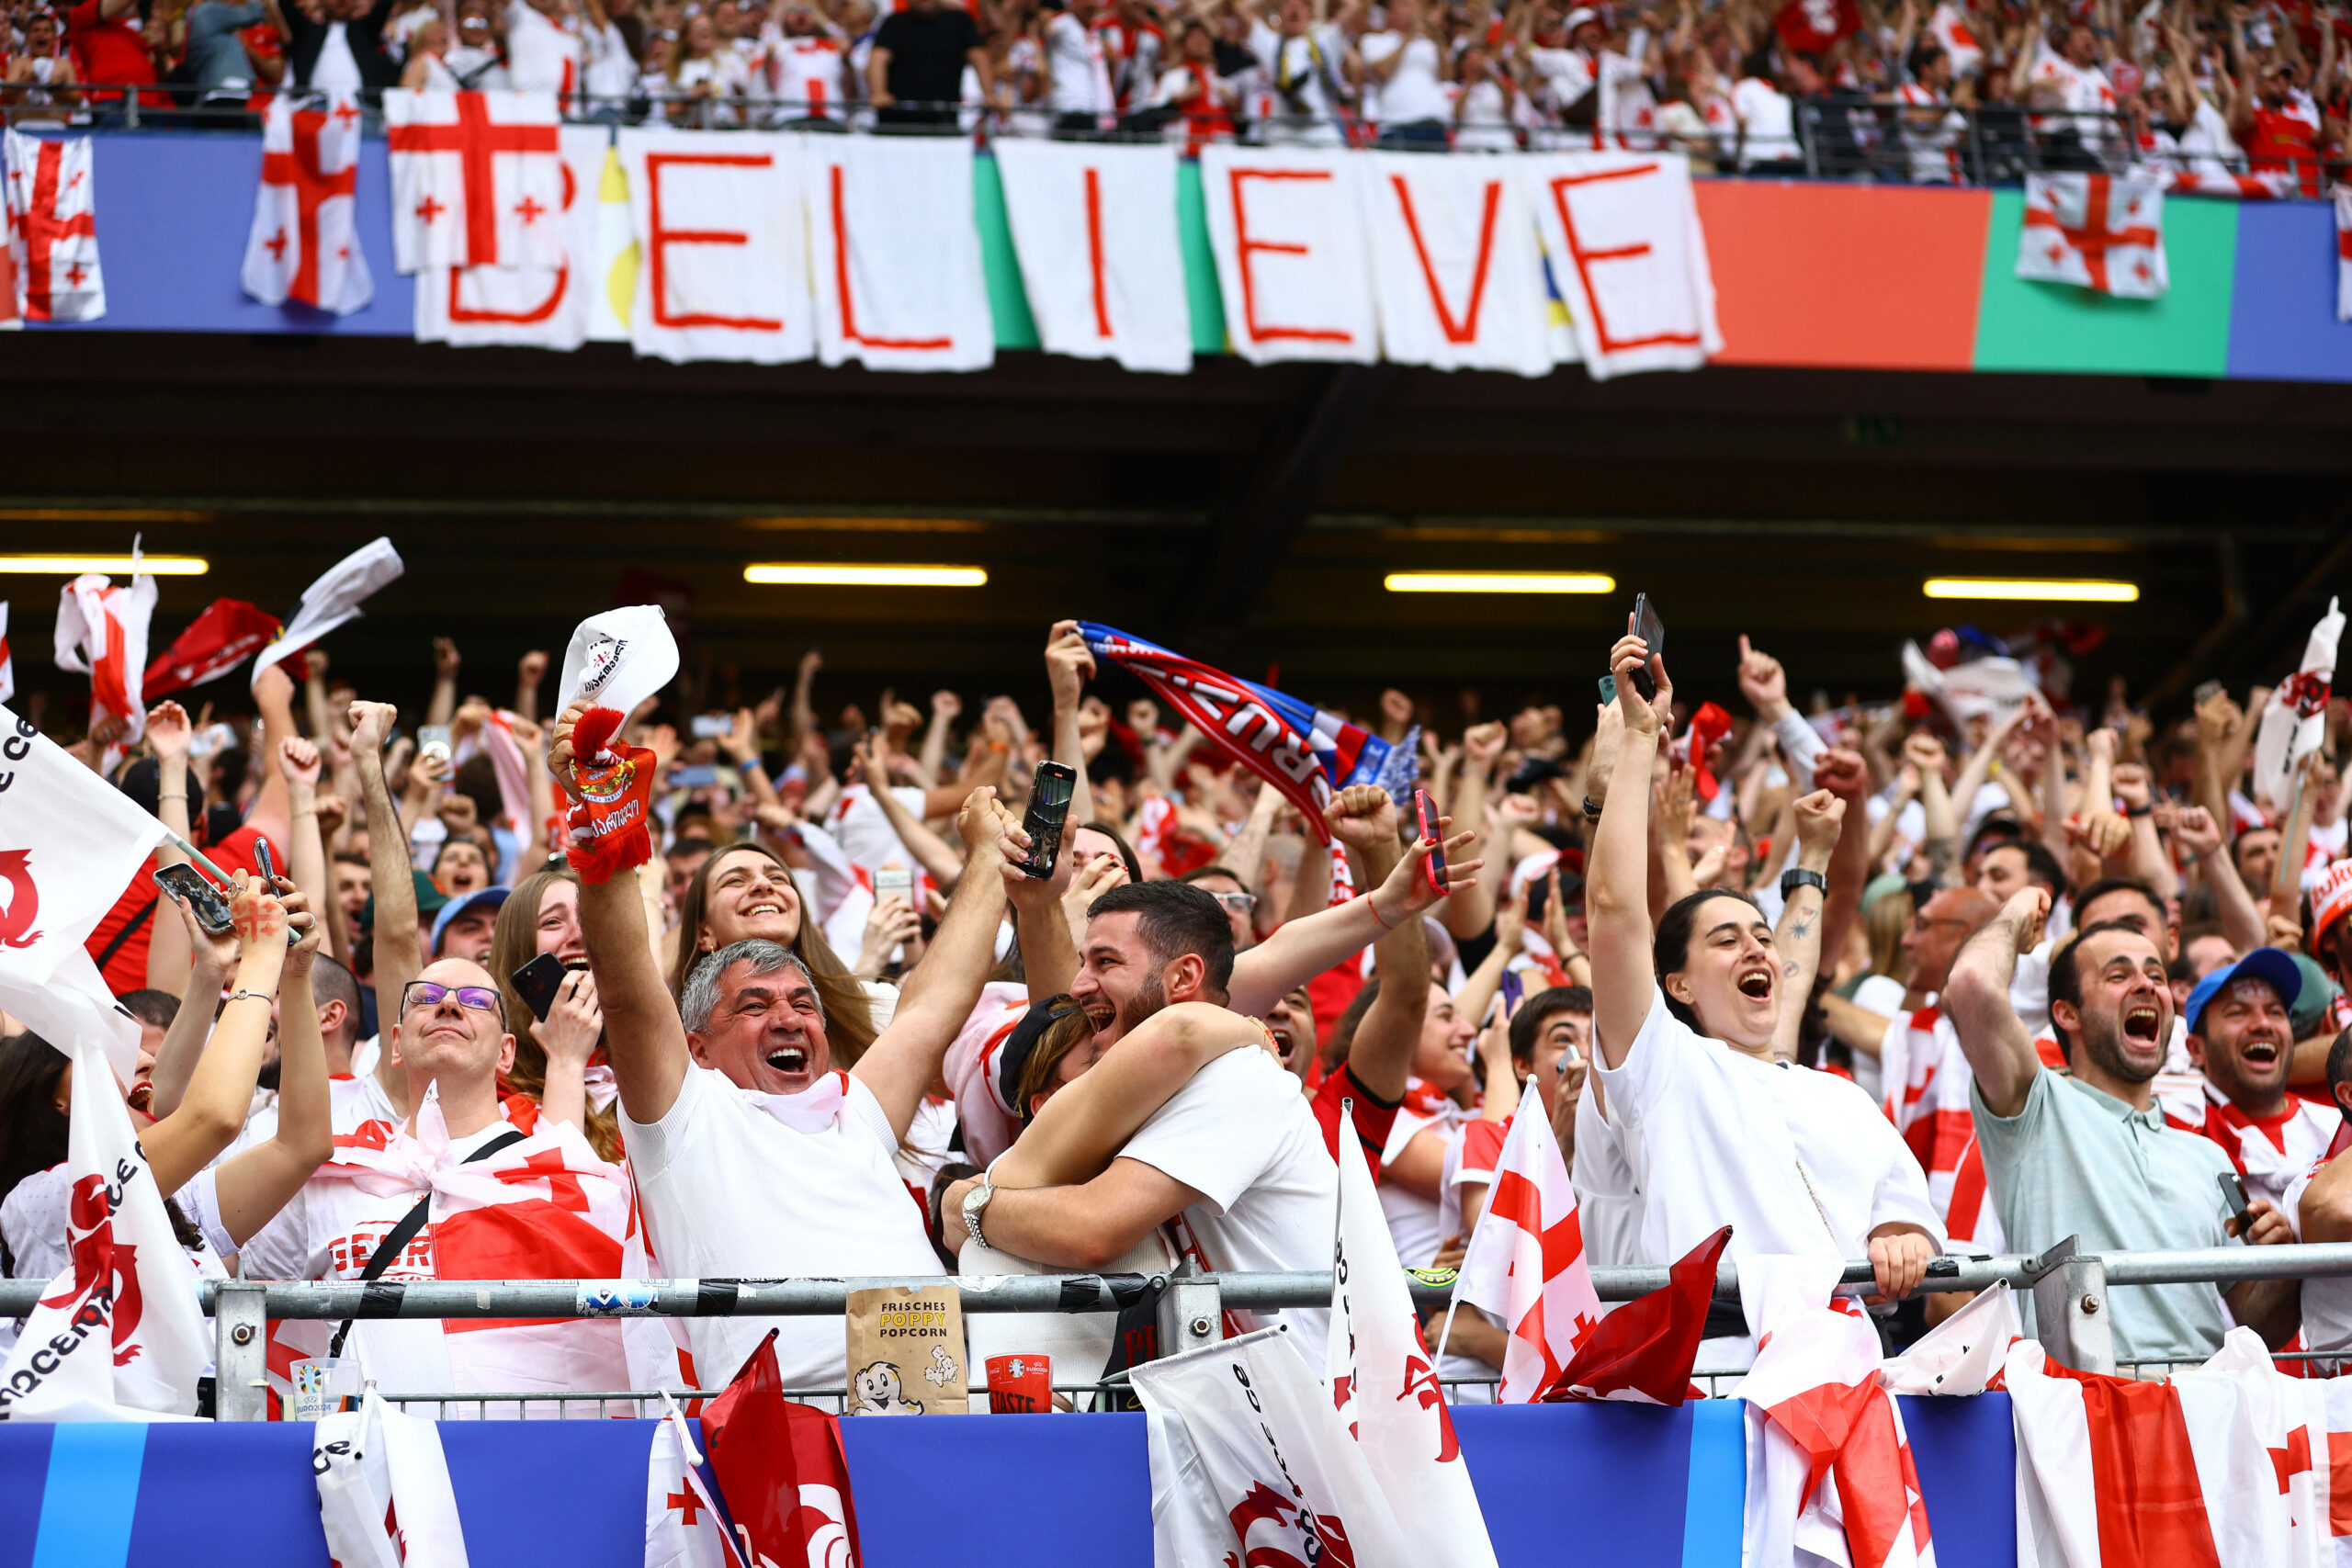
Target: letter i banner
pixel 616 659
pixel 1301 750
pixel 1094 227
pixel 1455 266
pixel 896 242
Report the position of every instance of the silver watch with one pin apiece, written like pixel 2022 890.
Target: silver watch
pixel 975 1202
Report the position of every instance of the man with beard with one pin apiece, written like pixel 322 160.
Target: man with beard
pixel 2242 1039
pixel 2089 1155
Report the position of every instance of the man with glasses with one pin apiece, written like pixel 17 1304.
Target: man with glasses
pixel 1920 1063
pixel 1238 902
pixel 468 1187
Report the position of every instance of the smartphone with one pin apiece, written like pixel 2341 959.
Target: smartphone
pixel 1049 810
pixel 693 778
pixel 2232 1186
pixel 2207 690
pixel 432 740
pixel 1608 691
pixel 262 862
pixel 1514 992
pixel 1425 823
pixel 894 882
pixel 711 725
pixel 538 982
pixel 1651 630
pixel 211 908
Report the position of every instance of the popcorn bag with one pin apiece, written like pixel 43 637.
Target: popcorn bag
pixel 906 1352
pixel 617 660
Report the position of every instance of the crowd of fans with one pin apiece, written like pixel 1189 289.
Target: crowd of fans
pixel 1932 975
pixel 1957 89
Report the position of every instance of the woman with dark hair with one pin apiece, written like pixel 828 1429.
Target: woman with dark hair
pixel 1717 1125
pixel 559 1060
pixel 745 890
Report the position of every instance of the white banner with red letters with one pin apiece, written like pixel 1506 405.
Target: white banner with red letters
pixel 1094 226
pixel 1288 232
pixel 1455 271
pixel 896 248
pixel 304 244
pixel 52 229
pixel 477 179
pixel 723 258
pixel 1621 234
pixel 525 307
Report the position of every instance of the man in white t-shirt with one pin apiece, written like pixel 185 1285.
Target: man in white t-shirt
pixel 755 1155
pixel 1303 59
pixel 2319 1205
pixel 1079 78
pixel 1404 85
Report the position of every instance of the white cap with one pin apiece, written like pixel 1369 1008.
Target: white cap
pixel 1577 19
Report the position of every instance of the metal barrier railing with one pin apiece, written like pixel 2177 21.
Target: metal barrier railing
pixel 2068 1288
pixel 1842 136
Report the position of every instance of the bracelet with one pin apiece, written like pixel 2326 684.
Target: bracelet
pixel 246 996
pixel 2138 810
pixel 1591 811
pixel 181 796
pixel 1796 876
pixel 1368 904
pixel 748 765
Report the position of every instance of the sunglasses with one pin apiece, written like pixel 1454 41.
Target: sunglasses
pixel 1239 903
pixel 432 993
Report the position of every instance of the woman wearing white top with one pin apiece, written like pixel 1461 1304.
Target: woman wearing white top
pixel 1402 71
pixel 699 69
pixel 428 69
pixel 1717 1126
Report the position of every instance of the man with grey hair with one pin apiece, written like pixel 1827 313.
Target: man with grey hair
pixel 753 1157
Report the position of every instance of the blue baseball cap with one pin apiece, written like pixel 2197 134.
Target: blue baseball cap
pixel 2263 963
pixel 489 898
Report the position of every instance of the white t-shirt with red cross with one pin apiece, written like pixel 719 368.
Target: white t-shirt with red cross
pixel 2327 1302
pixel 2270 1153
pixel 1926 1076
pixel 1416 1223
pixel 805 76
pixel 865 834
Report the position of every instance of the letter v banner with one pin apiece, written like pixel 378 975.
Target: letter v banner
pixel 1456 270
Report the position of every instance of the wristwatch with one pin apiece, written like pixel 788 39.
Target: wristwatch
pixel 1796 876
pixel 976 1203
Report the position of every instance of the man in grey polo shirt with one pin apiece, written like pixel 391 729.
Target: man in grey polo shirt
pixel 2089 1155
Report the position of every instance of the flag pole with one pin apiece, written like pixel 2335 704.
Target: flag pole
pixel 222 878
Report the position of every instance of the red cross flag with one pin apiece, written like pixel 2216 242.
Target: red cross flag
pixel 53 230
pixel 1814 27
pixel 1525 1262
pixel 683 1529
pixel 102 632
pixel 1948 27
pixel 477 179
pixel 2099 232
pixel 303 246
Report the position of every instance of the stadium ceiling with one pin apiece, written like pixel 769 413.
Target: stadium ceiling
pixel 1248 514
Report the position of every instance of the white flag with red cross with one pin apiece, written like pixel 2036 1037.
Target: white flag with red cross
pixel 1385 1387
pixel 683 1529
pixel 53 228
pixel 117 1335
pixel 2104 232
pixel 477 179
pixel 304 245
pixel 102 632
pixel 1525 1262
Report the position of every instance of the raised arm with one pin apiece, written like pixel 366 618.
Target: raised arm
pixel 306 850
pixel 212 1113
pixel 1941 838
pixel 932 853
pixel 1617 877
pixel 444 704
pixel 204 973
pixel 1365 819
pixel 1068 666
pixel 2195 832
pixel 1820 817
pixel 1844 774
pixel 168 732
pixel 399 953
pixel 1245 856
pixel 936 1000
pixel 1999 1050
pixel 254 1184
pixel 272 813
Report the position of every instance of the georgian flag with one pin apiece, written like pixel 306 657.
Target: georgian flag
pixel 2104 232
pixel 385 1499
pixel 102 632
pixel 683 1529
pixel 2274 186
pixel 53 228
pixel 1302 750
pixel 304 245
pixel 2295 720
pixel 1525 1262
pixel 1830 1475
pixel 477 179
pixel 334 599
pixel 1948 27
pixel 1385 1385
pixel 118 1333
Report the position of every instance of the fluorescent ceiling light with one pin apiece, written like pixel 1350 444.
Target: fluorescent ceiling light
pixel 849 574
pixel 2047 590
pixel 74 566
pixel 1499 582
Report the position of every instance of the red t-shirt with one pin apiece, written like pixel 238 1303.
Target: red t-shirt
pixel 1375 1117
pixel 109 48
pixel 2279 141
pixel 126 968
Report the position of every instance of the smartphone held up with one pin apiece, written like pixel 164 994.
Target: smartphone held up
pixel 1049 799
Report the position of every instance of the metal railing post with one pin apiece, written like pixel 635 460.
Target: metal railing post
pixel 241 1356
pixel 1807 127
pixel 2070 1309
pixel 1192 1313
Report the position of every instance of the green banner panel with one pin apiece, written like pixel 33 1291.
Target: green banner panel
pixel 1015 327
pixel 1200 263
pixel 2058 327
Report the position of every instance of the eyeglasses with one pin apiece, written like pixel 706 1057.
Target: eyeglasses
pixel 1239 903
pixel 431 993
pixel 1921 922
